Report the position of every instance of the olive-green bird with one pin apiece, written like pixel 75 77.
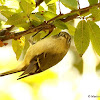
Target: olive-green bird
pixel 43 55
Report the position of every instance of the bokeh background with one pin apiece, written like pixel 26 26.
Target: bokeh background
pixel 74 78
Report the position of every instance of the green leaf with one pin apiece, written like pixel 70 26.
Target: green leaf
pixel 60 24
pixel 55 31
pixel 79 66
pixel 71 29
pixel 4 8
pixel 34 17
pixel 26 46
pixel 36 23
pixel 40 16
pixel 26 6
pixel 48 15
pixel 18 46
pixel 40 8
pixel 46 1
pixel 16 19
pixel 95 14
pixel 81 37
pixel 51 1
pixel 7 14
pixel 52 7
pixel 92 2
pixel 94 31
pixel 72 4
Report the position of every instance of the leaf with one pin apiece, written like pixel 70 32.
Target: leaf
pixel 36 23
pixel 55 31
pixel 60 24
pixel 46 1
pixel 39 16
pixel 18 46
pixel 81 37
pixel 92 2
pixel 71 29
pixel 7 14
pixel 48 15
pixel 4 8
pixel 26 6
pixel 95 14
pixel 72 4
pixel 34 17
pixel 17 19
pixel 52 7
pixel 40 8
pixel 79 66
pixel 51 1
pixel 94 32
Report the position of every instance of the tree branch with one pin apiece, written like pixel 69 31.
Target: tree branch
pixel 47 25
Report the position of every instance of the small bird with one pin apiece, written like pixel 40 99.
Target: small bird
pixel 43 55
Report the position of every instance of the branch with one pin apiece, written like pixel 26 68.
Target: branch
pixel 47 25
pixel 17 35
pixel 73 14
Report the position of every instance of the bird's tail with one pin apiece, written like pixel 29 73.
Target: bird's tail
pixel 10 72
pixel 18 69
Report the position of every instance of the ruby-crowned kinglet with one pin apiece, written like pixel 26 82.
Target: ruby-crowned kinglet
pixel 43 55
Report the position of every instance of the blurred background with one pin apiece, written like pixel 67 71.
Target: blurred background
pixel 74 78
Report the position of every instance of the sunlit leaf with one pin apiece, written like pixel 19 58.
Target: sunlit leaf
pixel 34 17
pixel 52 7
pixel 16 19
pixel 55 31
pixel 40 8
pixel 48 15
pixel 4 8
pixel 81 37
pixel 18 46
pixel 71 29
pixel 94 31
pixel 95 14
pixel 26 6
pixel 51 1
pixel 72 4
pixel 7 14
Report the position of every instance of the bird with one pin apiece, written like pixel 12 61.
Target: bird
pixel 43 55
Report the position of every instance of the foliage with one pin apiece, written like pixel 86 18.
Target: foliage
pixel 26 17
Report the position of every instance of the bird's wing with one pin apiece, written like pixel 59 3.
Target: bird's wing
pixel 33 67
